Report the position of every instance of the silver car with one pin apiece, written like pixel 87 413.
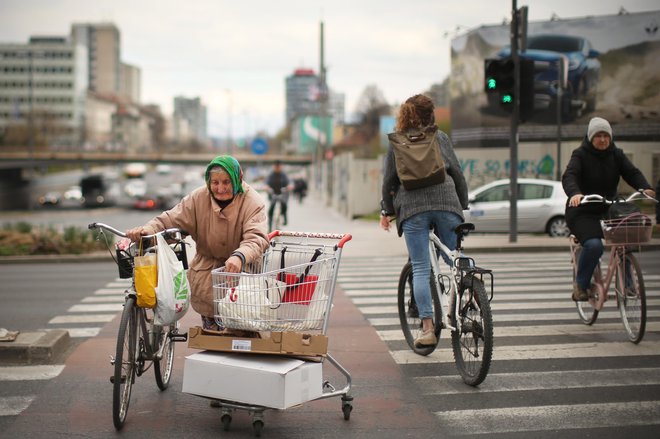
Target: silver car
pixel 541 205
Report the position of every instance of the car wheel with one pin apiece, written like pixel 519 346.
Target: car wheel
pixel 557 227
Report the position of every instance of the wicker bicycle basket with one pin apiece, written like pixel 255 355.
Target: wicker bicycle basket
pixel 632 229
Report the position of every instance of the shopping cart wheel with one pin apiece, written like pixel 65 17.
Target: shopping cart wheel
pixel 257 426
pixel 347 406
pixel 226 421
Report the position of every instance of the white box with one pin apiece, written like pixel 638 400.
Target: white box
pixel 265 380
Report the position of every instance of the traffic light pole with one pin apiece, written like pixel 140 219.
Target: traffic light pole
pixel 513 139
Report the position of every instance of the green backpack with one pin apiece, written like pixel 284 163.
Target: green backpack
pixel 418 157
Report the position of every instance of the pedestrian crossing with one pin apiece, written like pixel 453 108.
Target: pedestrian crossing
pixel 85 319
pixel 549 373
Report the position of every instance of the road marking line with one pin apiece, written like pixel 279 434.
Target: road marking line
pixel 526 381
pixel 110 291
pixel 22 373
pixel 88 318
pixel 103 299
pixel 96 307
pixel 540 352
pixel 539 330
pixel 14 405
pixel 549 417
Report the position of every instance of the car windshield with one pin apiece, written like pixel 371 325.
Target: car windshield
pixel 555 43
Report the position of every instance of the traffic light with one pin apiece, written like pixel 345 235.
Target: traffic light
pixel 499 77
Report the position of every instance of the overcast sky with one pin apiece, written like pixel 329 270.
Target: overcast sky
pixel 236 54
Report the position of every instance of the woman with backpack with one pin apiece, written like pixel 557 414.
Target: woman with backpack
pixel 438 205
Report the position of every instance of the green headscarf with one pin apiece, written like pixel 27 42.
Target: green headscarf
pixel 233 168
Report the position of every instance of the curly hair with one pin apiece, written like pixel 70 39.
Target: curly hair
pixel 416 112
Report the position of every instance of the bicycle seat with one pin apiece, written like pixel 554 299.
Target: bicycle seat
pixel 464 228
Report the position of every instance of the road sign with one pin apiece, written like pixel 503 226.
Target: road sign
pixel 259 146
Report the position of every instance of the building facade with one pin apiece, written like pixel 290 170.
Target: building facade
pixel 194 113
pixel 42 92
pixel 102 41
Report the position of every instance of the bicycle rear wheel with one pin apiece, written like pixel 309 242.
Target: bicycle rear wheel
pixel 163 366
pixel 411 324
pixel 586 311
pixel 631 297
pixel 473 345
pixel 125 362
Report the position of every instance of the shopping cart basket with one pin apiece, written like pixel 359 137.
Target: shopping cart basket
pixel 632 229
pixel 291 288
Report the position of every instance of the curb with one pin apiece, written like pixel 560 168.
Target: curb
pixel 36 347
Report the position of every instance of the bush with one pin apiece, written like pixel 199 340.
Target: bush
pixel 24 239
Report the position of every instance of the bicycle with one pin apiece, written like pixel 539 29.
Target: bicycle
pixel 139 340
pixel 463 307
pixel 276 220
pixel 622 265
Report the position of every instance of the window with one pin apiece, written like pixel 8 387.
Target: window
pixel 534 191
pixel 498 193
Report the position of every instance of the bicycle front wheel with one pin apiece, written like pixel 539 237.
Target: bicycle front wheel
pixel 586 311
pixel 631 296
pixel 411 324
pixel 473 343
pixel 163 366
pixel 125 362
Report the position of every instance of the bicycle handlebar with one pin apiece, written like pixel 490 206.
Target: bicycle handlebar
pixel 167 232
pixel 595 198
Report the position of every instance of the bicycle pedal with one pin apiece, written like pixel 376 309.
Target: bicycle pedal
pixel 179 337
pixel 123 379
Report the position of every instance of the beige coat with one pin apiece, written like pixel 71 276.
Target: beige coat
pixel 242 226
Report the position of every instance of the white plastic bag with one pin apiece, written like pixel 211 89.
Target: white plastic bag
pixel 173 290
pixel 251 304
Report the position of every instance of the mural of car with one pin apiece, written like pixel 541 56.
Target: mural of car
pixel 583 74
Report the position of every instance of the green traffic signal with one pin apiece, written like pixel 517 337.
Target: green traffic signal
pixel 507 99
pixel 492 84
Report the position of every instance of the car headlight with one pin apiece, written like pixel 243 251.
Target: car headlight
pixel 573 64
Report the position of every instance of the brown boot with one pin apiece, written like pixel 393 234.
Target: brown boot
pixel 579 294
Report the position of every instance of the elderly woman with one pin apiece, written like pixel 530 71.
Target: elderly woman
pixel 595 167
pixel 226 218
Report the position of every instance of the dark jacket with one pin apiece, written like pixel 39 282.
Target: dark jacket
pixel 591 171
pixel 450 196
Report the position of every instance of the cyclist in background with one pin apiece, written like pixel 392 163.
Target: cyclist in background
pixel 278 191
pixel 595 167
pixel 226 219
pixel 439 206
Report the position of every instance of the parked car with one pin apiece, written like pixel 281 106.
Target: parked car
pixel 541 205
pixel 74 193
pixel 582 77
pixel 135 187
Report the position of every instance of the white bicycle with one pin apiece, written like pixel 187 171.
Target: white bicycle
pixel 463 307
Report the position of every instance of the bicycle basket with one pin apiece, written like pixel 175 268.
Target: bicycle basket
pixel 632 229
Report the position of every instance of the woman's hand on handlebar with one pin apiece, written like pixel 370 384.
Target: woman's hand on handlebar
pixel 649 193
pixel 575 200
pixel 135 233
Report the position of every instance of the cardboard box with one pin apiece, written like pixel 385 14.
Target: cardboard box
pixel 263 380
pixel 279 343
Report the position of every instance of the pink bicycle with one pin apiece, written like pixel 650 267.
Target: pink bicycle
pixel 622 236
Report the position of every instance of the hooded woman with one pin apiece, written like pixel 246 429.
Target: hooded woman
pixel 595 167
pixel 226 219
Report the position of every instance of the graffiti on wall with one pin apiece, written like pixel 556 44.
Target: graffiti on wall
pixel 478 172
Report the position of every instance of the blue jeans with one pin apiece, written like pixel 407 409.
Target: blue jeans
pixel 416 232
pixel 592 250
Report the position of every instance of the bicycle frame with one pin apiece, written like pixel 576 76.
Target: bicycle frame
pixel 460 266
pixel 602 283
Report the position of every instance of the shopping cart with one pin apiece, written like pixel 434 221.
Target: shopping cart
pixel 290 289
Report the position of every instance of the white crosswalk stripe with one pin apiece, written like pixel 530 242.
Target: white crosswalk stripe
pixel 97 309
pixel 538 333
pixel 15 404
